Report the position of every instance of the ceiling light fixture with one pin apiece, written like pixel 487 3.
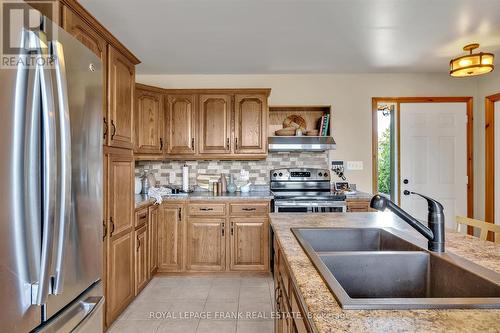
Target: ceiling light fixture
pixel 472 64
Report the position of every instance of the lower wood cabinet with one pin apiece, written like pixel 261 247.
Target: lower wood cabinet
pixel 120 277
pixel 118 225
pixel 170 237
pixel 358 206
pixel 153 238
pixel 290 314
pixel 249 243
pixel 206 239
pixel 141 258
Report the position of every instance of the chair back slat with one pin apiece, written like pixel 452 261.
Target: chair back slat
pixel 484 227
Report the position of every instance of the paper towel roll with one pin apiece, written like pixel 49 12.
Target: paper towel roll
pixel 185 178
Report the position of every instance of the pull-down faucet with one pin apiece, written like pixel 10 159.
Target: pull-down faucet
pixel 434 233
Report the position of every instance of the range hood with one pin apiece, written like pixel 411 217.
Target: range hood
pixel 301 143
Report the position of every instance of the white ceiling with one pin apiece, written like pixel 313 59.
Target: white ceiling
pixel 299 36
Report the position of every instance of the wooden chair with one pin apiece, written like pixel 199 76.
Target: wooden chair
pixel 484 227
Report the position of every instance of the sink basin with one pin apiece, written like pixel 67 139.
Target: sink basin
pixel 387 273
pixel 352 239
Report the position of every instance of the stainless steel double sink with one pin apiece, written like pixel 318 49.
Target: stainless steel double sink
pixel 372 268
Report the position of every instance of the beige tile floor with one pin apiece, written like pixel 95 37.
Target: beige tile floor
pixel 204 304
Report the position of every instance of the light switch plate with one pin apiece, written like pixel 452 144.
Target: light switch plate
pixel 354 165
pixel 172 177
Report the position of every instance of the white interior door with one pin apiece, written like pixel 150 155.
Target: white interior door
pixel 434 157
pixel 497 161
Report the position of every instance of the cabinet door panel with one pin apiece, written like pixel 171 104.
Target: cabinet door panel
pixel 148 122
pixel 121 86
pixel 215 124
pixel 73 24
pixel 170 235
pixel 250 124
pixel 120 284
pixel 181 120
pixel 120 189
pixel 249 244
pixel 141 258
pixel 153 238
pixel 206 244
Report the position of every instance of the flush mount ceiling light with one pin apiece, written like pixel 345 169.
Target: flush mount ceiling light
pixel 472 64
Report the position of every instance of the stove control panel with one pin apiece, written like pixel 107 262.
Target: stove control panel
pixel 305 174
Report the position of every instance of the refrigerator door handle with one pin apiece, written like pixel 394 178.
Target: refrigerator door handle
pixel 78 316
pixel 63 215
pixel 49 170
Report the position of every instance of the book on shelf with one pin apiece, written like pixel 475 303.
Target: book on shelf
pixel 325 125
pixel 320 129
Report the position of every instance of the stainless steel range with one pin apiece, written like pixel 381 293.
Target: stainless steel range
pixel 305 190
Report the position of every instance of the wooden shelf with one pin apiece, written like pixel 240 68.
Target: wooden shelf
pixel 311 113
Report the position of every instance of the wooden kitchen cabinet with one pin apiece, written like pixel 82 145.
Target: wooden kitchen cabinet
pixel 181 124
pixel 170 237
pixel 358 206
pixel 149 121
pixel 249 244
pixel 118 227
pixel 286 301
pixel 206 241
pixel 89 37
pixel 250 124
pixel 121 170
pixel 141 258
pixel 121 87
pixel 153 238
pixel 215 124
pixel 120 282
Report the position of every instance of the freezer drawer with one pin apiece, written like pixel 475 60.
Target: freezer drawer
pixel 84 315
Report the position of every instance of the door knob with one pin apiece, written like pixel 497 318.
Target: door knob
pixel 405 181
pixel 406 192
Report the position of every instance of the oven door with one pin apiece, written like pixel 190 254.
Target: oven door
pixel 289 206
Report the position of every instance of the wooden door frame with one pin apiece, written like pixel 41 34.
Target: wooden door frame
pixel 398 101
pixel 489 165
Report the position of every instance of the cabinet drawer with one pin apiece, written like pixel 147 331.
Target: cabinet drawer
pixel 141 217
pixel 204 209
pixel 236 209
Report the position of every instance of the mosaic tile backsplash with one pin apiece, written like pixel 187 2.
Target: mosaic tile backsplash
pixel 258 170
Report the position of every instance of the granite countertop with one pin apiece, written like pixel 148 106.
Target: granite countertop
pixel 141 199
pixel 328 316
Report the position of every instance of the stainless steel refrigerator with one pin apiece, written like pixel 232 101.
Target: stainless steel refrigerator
pixel 51 172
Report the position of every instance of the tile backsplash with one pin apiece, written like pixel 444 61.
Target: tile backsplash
pixel 259 170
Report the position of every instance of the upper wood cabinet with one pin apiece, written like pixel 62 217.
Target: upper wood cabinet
pixel 121 87
pixel 201 123
pixel 170 237
pixel 181 124
pixel 149 122
pixel 215 124
pixel 250 124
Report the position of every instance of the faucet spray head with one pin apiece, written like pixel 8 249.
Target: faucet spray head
pixel 378 202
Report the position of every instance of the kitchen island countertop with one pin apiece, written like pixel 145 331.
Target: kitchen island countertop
pixel 328 316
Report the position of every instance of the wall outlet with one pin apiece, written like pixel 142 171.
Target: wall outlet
pixel 354 165
pixel 172 177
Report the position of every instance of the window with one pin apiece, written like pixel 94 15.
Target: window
pixel 385 169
